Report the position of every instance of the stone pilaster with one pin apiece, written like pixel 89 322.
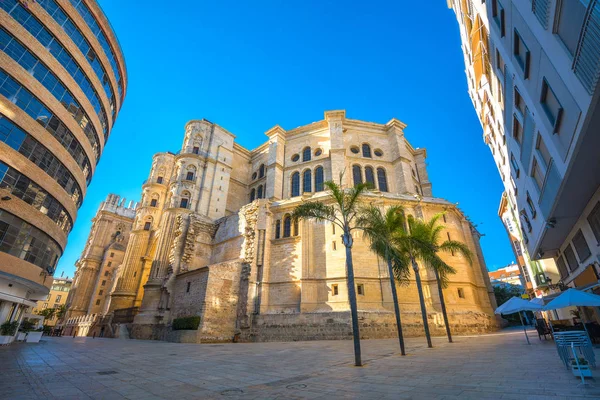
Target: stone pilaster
pixel 335 120
pixel 275 163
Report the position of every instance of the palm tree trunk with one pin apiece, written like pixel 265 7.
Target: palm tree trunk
pixel 396 307
pixel 352 298
pixel 443 303
pixel 422 300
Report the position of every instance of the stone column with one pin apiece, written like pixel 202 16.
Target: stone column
pixel 126 288
pixel 335 120
pixel 86 279
pixel 275 163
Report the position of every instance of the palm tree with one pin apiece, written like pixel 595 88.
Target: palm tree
pixel 341 212
pixel 439 267
pixel 412 244
pixel 379 229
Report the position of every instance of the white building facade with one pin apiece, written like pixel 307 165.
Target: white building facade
pixel 532 69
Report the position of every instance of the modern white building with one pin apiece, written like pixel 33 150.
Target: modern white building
pixel 532 68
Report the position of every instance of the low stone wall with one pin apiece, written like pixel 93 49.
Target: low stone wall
pixel 373 325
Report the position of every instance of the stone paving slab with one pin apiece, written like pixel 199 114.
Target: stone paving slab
pixel 499 366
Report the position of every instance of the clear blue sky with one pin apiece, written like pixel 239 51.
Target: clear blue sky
pixel 248 66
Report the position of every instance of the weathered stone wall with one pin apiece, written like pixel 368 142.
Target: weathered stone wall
pixel 211 293
pixel 373 325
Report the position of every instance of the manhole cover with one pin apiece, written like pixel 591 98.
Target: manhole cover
pixel 296 386
pixel 107 372
pixel 231 392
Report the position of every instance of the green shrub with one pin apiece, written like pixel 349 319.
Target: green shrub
pixel 26 326
pixel 182 323
pixel 9 328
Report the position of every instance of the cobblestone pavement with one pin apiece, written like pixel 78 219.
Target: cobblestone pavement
pixel 499 366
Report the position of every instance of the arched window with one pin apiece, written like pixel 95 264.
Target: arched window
pixel 307 181
pixel 252 195
pixel 370 177
pixel 185 200
pixel 356 175
pixel 306 154
pixel 278 229
pixel 366 149
pixel 189 176
pixel 261 170
pixel 382 180
pixel 154 200
pixel 259 192
pixel 296 184
pixel 287 226
pixel 319 179
pixel 295 227
pixel 148 224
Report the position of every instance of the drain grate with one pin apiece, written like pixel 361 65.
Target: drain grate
pixel 231 392
pixel 107 372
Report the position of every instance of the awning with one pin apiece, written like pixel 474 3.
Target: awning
pixel 15 299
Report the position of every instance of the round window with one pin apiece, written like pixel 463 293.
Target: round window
pixel 355 149
pixel 254 176
pixel 295 157
pixel 378 152
pixel 318 152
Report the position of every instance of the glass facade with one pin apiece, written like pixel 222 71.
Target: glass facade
pixel 20 96
pixel 37 30
pixel 81 42
pixel 24 241
pixel 19 140
pixel 34 66
pixel 86 14
pixel 27 190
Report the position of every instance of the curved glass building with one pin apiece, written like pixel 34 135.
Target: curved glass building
pixel 62 83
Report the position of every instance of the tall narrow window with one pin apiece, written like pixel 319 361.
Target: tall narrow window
pixel 382 180
pixel 370 177
pixel 498 14
pixel 542 151
pixel 307 181
pixel 537 174
pixel 252 195
pixel 196 150
pixel 190 176
pixel 530 205
pixel 306 154
pixel 296 184
pixel 287 226
pixel 571 15
pixel 147 225
pixel 521 53
pixel 356 175
pixel 570 257
pixel 184 203
pixel 319 179
pixel 581 246
pixel 278 229
pixel 517 130
pixel 366 150
pixel 153 202
pixel 551 106
pixel 259 192
pixel 295 227
pixel 594 221
pixel 159 179
pixel 261 170
pixel 450 239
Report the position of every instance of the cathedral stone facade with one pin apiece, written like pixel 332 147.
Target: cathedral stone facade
pixel 212 237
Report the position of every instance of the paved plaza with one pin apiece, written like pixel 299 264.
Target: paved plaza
pixel 499 366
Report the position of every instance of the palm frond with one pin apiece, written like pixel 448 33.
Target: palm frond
pixel 315 210
pixel 454 246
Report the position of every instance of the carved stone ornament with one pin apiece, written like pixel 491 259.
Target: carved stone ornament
pixel 249 215
pixel 177 231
